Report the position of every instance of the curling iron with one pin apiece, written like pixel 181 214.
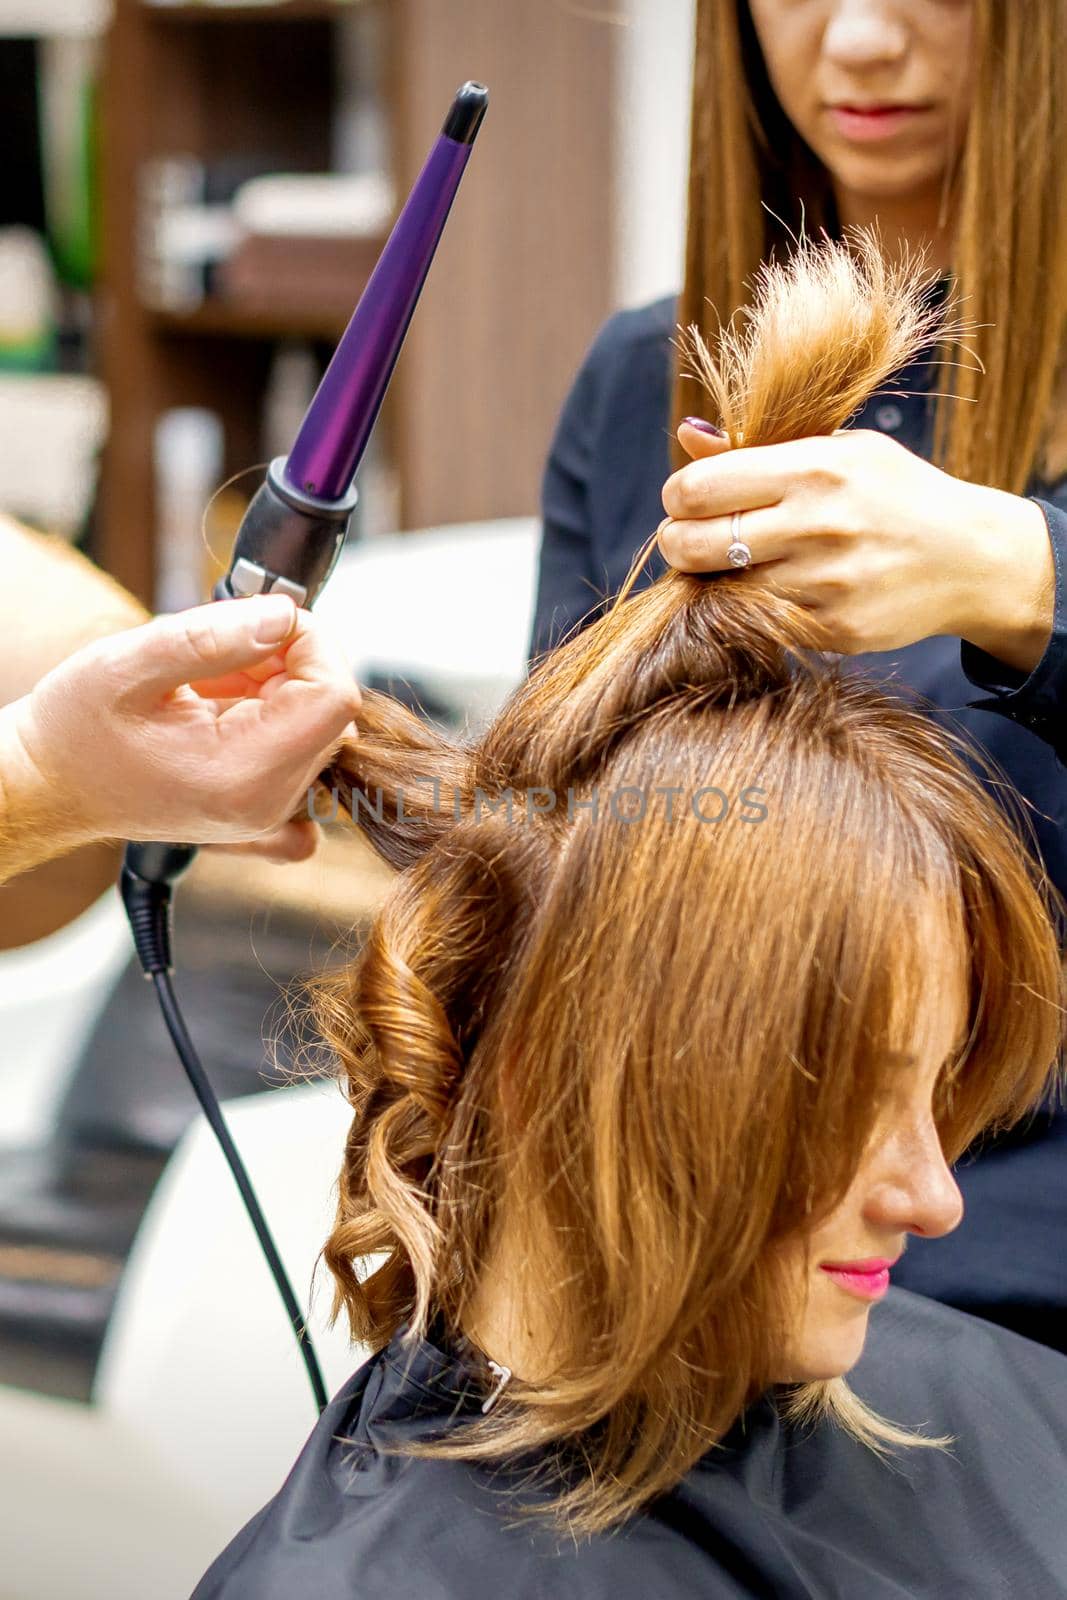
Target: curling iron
pixel 288 543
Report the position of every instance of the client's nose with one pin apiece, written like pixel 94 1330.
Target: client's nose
pixel 914 1190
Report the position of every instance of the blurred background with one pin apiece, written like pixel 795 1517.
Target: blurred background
pixel 192 198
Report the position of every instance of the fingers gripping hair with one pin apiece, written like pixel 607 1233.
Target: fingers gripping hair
pixel 826 328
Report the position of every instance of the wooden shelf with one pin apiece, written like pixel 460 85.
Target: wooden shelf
pixel 289 11
pixel 518 289
pixel 229 320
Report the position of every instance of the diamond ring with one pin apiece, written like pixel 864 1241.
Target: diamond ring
pixel 738 553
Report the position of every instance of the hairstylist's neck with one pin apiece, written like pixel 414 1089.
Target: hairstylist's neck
pixel 913 221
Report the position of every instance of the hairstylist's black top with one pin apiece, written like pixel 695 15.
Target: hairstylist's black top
pixel 602 497
pixel 772 1514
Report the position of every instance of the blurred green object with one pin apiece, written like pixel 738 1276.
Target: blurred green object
pixel 28 333
pixel 30 355
pixel 68 100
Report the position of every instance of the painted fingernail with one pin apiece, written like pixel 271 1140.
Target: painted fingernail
pixel 705 427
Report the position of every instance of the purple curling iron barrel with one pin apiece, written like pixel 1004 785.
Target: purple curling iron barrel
pixel 288 542
pixel 293 530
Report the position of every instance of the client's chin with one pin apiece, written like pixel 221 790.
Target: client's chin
pixel 831 1349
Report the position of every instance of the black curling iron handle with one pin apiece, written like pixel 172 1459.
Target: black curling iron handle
pixel 148 870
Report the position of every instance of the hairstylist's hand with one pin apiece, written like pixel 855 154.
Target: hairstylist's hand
pixel 881 547
pixel 205 726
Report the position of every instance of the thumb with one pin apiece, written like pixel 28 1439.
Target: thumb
pixel 699 438
pixel 205 642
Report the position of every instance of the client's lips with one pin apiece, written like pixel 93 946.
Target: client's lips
pixel 863 123
pixel 868 1280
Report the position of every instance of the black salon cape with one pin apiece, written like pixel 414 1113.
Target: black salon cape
pixel 810 1515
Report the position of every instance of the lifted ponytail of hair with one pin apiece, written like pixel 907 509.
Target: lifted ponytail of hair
pixel 655 1043
pixel 826 328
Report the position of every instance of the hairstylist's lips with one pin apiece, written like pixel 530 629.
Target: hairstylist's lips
pixel 868 1280
pixel 864 124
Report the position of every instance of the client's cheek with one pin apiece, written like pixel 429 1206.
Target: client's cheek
pixel 801 1311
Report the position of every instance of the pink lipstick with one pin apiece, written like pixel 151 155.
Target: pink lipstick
pixel 868 1280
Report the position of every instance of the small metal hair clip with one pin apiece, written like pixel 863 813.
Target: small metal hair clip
pixel 503 1378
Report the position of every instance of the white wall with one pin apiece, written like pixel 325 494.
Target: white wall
pixel 652 146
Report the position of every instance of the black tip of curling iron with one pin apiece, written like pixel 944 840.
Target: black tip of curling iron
pixel 466 113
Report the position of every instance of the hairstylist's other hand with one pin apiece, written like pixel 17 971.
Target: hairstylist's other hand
pixel 879 546
pixel 207 726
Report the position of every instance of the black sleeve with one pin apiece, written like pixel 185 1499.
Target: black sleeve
pixel 1037 700
pixel 567 587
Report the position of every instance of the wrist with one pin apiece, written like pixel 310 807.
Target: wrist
pixel 36 821
pixel 1012 595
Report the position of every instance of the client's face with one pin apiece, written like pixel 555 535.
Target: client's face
pixel 903 1186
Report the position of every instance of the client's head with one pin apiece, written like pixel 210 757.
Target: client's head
pixel 705 961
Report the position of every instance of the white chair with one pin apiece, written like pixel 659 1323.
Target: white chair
pixel 51 994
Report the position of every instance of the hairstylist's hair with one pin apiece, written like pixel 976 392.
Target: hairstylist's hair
pixel 753 183
pixel 660 1039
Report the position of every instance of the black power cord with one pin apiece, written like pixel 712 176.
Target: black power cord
pixel 147 876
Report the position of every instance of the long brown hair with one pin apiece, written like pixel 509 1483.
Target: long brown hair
pixel 639 974
pixel 753 183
